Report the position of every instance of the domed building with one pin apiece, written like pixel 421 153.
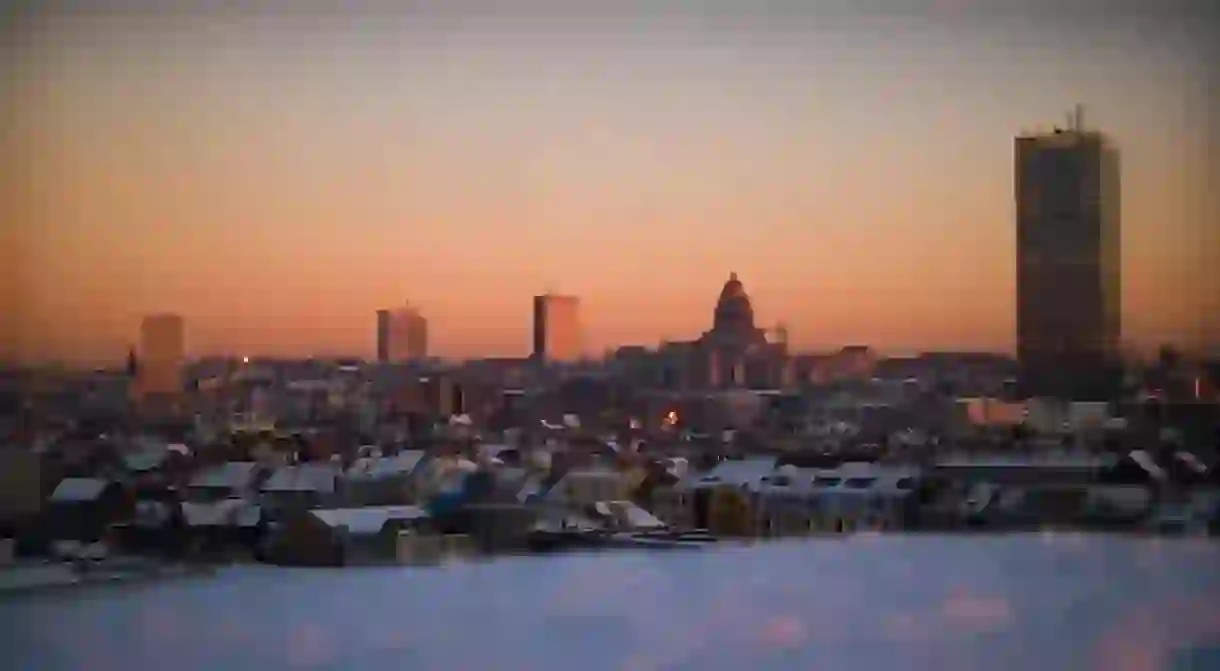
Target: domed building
pixel 734 353
pixel 733 318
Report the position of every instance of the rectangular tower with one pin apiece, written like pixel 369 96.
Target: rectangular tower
pixel 558 335
pixel 162 354
pixel 1069 314
pixel 383 336
pixel 402 335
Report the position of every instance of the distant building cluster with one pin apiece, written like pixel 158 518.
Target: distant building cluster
pixel 729 433
pixel 1068 305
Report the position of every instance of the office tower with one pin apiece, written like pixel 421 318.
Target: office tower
pixel 383 336
pixel 558 335
pixel 1068 260
pixel 402 335
pixel 162 354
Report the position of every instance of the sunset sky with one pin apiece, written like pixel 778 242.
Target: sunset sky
pixel 275 176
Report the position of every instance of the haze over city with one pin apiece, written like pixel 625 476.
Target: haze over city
pixel 276 177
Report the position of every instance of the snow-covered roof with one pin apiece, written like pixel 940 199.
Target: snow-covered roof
pixel 736 472
pixel 1147 463
pixel 145 460
pixel 76 490
pixel 635 516
pixel 494 450
pixel 373 468
pixel 231 474
pixel 309 477
pixel 366 521
pixel 853 478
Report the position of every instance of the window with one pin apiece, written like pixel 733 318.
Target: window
pixel 823 481
pixel 859 483
pixel 904 484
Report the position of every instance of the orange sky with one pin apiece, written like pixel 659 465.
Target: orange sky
pixel 277 178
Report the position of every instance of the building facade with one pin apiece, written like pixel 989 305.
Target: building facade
pixel 734 353
pixel 402 335
pixel 558 334
pixel 1068 260
pixel 162 355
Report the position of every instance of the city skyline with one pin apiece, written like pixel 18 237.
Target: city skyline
pixel 855 168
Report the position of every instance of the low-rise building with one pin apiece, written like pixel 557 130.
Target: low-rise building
pixel 1034 469
pixel 82 509
pixel 1075 505
pixel 382 480
pixel 341 536
pixel 691 502
pixel 221 527
pixel 853 496
pixel 300 487
pixel 231 479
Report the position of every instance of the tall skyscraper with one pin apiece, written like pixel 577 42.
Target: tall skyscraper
pixel 402 335
pixel 1069 314
pixel 162 354
pixel 558 335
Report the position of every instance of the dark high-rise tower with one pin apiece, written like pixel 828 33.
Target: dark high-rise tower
pixel 558 334
pixel 1068 260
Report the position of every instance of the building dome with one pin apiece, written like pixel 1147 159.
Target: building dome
pixel 733 310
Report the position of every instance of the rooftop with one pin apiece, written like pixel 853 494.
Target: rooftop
pixel 308 477
pixel 373 468
pixel 737 472
pixel 230 475
pixel 78 490
pixel 368 521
